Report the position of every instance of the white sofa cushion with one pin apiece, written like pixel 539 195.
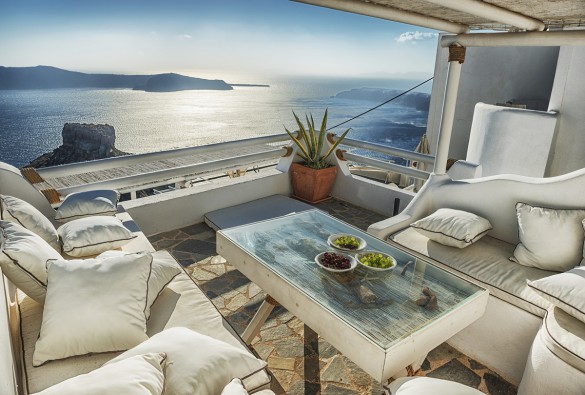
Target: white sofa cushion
pixel 15 210
pixel 93 235
pixel 22 258
pixel 88 203
pixel 164 269
pixel 428 385
pixel 550 239
pixel 454 228
pixel 181 303
pixel 486 263
pixel 564 290
pixel 564 336
pixel 139 375
pixel 197 363
pixel 235 387
pixel 93 306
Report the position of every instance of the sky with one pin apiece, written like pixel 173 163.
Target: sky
pixel 207 37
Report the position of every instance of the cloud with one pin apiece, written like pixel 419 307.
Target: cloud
pixel 186 36
pixel 415 36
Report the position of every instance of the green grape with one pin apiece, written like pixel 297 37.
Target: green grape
pixel 377 260
pixel 349 242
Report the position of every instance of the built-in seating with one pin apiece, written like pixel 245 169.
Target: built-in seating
pixel 180 304
pixel 502 338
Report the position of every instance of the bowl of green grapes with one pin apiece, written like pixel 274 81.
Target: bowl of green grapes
pixel 346 242
pixel 375 260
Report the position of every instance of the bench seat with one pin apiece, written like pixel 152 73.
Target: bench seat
pixel 181 303
pixel 486 263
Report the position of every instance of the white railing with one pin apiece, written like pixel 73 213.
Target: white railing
pixel 380 164
pixel 127 160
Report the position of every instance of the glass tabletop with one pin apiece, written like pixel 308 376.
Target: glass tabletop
pixel 380 305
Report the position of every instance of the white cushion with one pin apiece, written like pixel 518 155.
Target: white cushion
pixel 23 257
pixel 93 235
pixel 92 306
pixel 550 239
pixel 15 210
pixel 197 363
pixel 428 385
pixel 564 290
pixel 235 387
pixel 89 203
pixel 164 270
pixel 140 375
pixel 453 228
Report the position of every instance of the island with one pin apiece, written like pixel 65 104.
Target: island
pixel 47 77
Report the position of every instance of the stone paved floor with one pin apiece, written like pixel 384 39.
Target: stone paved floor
pixel 291 348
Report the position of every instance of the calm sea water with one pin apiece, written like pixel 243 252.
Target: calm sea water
pixel 31 121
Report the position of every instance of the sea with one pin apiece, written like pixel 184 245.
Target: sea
pixel 31 121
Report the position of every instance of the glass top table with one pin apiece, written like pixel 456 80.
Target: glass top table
pixel 369 316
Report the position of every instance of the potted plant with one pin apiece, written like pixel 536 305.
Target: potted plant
pixel 313 178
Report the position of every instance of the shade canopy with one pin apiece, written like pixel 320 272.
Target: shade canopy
pixel 460 16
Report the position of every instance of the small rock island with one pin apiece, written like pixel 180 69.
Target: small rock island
pixel 172 82
pixel 81 142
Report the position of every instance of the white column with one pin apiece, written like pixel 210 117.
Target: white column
pixel 454 74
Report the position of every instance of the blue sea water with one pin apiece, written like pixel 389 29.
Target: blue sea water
pixel 31 121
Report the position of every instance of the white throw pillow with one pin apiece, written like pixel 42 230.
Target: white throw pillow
pixel 92 306
pixel 23 255
pixel 93 235
pixel 139 375
pixel 564 290
pixel 89 203
pixel 196 363
pixel 429 385
pixel 453 228
pixel 550 239
pixel 16 210
pixel 235 387
pixel 164 269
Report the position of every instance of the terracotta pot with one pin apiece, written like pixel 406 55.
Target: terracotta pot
pixel 312 185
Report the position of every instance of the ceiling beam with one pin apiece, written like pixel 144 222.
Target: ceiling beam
pixel 492 13
pixel 393 14
pixel 519 39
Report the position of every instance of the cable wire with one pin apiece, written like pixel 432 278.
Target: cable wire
pixel 380 105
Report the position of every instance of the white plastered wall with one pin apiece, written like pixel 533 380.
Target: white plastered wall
pixel 490 75
pixel 568 98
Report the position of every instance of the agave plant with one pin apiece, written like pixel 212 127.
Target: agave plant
pixel 310 142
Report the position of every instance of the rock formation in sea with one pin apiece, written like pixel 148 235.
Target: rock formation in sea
pixel 172 82
pixel 81 142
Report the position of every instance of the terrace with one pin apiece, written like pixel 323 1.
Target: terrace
pixel 300 361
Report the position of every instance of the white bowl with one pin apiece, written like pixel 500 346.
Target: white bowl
pixel 377 269
pixel 352 262
pixel 335 236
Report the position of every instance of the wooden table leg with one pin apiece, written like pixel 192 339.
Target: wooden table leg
pixel 268 304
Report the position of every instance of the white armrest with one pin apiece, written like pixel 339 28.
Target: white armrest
pixel 386 227
pixel 464 170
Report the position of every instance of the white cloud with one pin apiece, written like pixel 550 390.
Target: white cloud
pixel 415 36
pixel 186 36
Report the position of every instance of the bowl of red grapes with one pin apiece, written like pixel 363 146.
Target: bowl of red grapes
pixel 336 262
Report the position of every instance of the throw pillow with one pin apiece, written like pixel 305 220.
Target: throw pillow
pixel 455 228
pixel 93 235
pixel 164 270
pixel 196 363
pixel 564 290
pixel 92 306
pixel 550 239
pixel 139 375
pixel 16 210
pixel 235 387
pixel 23 255
pixel 89 203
